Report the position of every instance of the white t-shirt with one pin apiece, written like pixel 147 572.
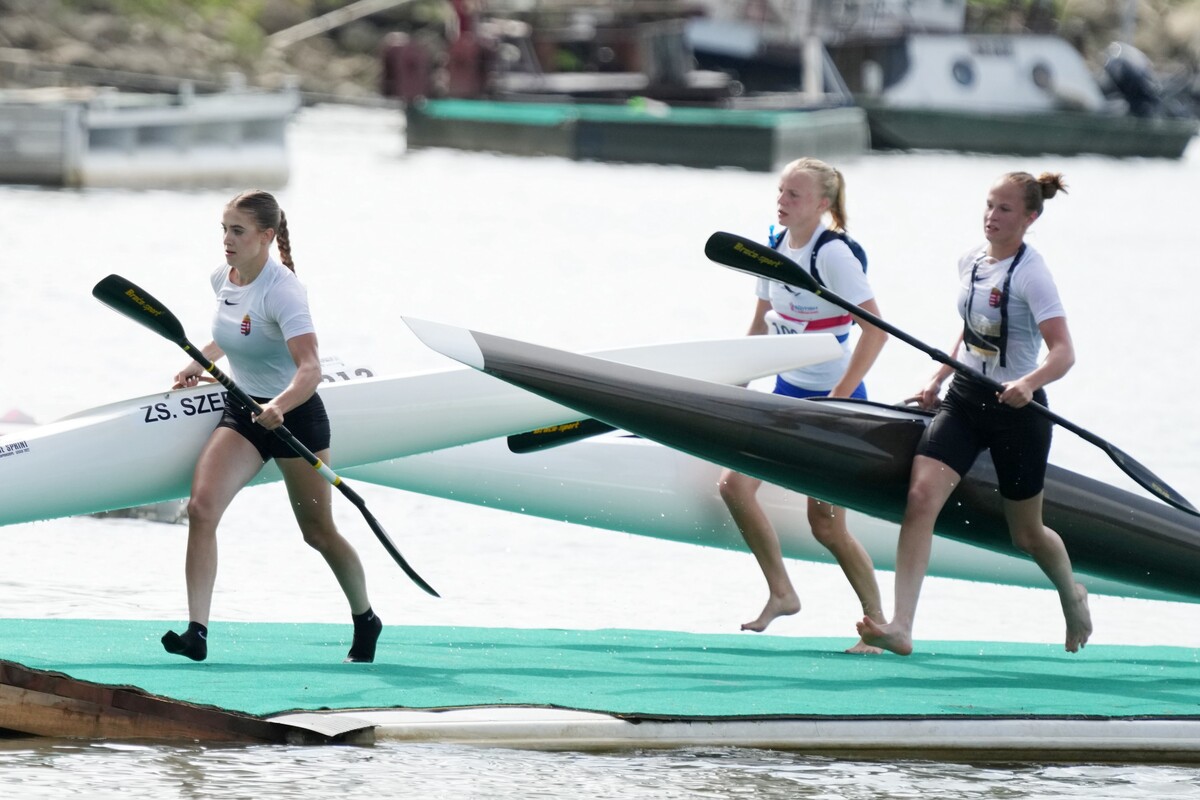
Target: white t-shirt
pixel 252 324
pixel 1033 299
pixel 794 310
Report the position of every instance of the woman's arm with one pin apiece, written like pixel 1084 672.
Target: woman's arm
pixel 193 373
pixel 308 376
pixel 1058 361
pixel 928 396
pixel 870 343
pixel 758 326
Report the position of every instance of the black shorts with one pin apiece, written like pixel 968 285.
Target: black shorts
pixel 971 420
pixel 308 422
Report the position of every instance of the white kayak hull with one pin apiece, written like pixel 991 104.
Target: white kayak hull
pixel 628 484
pixel 143 450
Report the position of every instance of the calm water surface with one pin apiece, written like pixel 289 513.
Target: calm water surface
pixel 449 771
pixel 581 256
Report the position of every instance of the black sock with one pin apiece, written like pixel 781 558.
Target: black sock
pixel 193 643
pixel 366 633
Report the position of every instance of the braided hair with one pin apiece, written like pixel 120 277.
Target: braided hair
pixel 267 214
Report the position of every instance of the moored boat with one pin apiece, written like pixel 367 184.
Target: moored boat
pixel 928 79
pixel 100 138
pixel 631 96
pixel 1005 94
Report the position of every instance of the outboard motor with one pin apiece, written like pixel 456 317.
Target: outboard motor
pixel 1132 76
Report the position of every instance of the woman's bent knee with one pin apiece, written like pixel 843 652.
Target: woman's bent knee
pixel 1028 540
pixel 736 488
pixel 827 526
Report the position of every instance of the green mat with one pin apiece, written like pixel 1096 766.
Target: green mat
pixel 267 668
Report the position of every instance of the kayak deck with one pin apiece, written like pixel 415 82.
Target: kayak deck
pixel 609 689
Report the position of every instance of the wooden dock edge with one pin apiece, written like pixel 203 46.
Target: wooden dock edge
pixel 40 703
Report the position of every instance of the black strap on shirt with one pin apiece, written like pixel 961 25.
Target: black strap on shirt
pixel 1000 343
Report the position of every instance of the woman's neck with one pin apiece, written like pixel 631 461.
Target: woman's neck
pixel 244 276
pixel 799 236
pixel 1000 251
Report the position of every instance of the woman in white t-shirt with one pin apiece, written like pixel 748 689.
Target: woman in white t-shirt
pixel 262 324
pixel 1010 306
pixel 809 189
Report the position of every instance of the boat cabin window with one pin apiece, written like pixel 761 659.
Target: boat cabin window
pixel 964 72
pixel 1043 78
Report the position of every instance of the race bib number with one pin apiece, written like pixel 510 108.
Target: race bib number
pixel 333 369
pixel 779 324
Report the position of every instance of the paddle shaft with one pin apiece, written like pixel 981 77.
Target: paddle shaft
pixel 746 255
pixel 126 298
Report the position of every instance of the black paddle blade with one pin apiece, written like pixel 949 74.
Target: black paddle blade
pixel 746 255
pixel 381 535
pixel 377 529
pixel 140 306
pixel 555 435
pixel 1148 479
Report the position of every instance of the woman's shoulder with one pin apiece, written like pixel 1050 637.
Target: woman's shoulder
pixel 218 277
pixel 968 257
pixel 1032 262
pixel 1033 276
pixel 834 247
pixel 278 275
pixel 282 286
pixel 1032 254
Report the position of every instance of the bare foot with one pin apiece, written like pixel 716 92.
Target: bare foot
pixel 889 637
pixel 1079 620
pixel 775 607
pixel 865 649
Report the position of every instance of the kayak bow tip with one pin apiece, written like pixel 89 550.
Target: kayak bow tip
pixel 457 343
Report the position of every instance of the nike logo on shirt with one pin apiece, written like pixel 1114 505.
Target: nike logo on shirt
pixel 229 303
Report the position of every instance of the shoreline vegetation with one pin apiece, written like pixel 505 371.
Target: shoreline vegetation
pixel 157 44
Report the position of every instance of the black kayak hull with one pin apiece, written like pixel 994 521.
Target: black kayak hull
pixel 853 454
